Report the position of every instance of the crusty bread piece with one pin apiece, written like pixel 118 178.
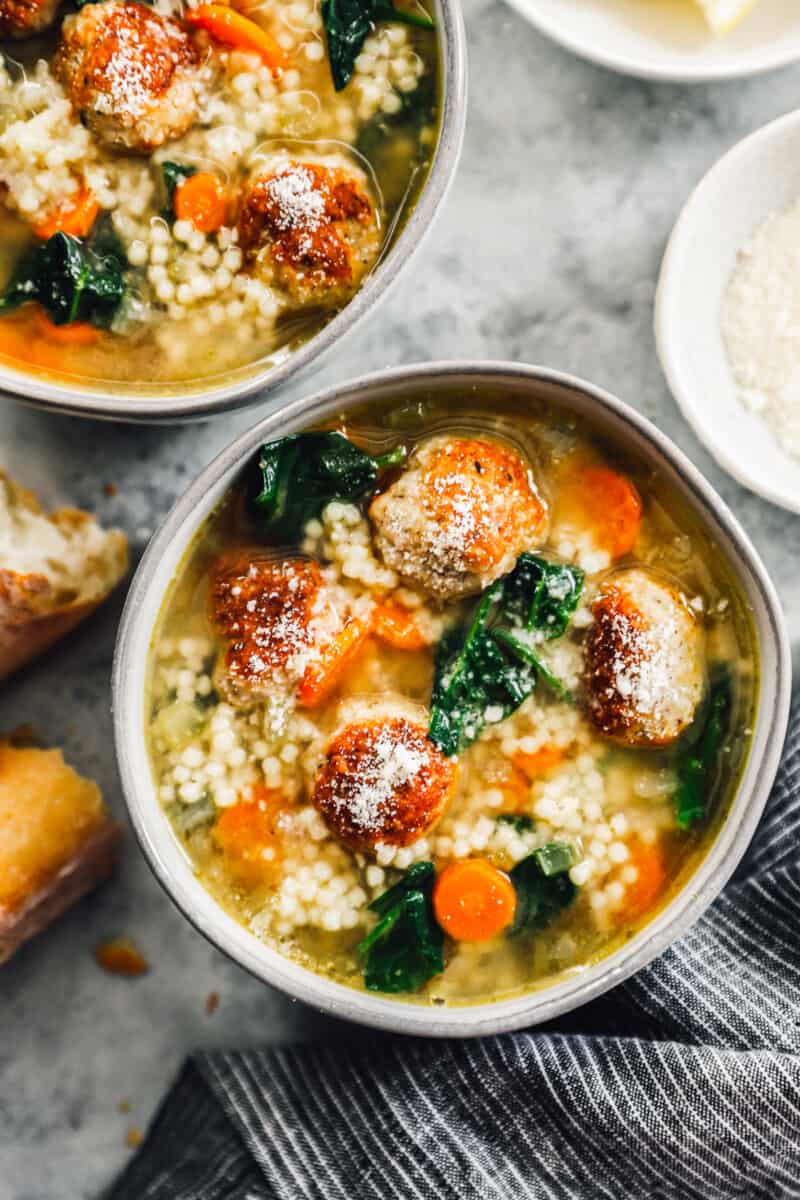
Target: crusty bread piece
pixel 54 571
pixel 57 840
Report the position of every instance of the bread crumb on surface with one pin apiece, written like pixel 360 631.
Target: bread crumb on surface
pixel 124 1106
pixel 212 1003
pixel 134 1138
pixel 110 489
pixel 121 957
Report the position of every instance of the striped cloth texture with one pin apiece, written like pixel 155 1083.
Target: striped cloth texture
pixel 682 1083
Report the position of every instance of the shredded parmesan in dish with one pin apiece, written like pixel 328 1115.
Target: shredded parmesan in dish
pixel 760 323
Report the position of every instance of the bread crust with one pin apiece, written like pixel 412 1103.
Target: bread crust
pixel 93 863
pixel 33 616
pixel 57 840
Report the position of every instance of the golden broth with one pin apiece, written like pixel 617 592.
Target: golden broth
pixel 594 794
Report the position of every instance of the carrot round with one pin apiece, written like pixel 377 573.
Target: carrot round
pixel 77 333
pixel 325 673
pixel 20 339
pixel 613 507
pixel 231 28
pixel 648 858
pixel 246 833
pixel 512 782
pixel 540 761
pixel 75 216
pixel 14 341
pixel 395 625
pixel 201 200
pixel 473 901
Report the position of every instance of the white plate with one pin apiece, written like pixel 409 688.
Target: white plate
pixel 761 175
pixel 668 39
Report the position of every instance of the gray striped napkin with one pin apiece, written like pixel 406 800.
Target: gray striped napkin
pixel 682 1083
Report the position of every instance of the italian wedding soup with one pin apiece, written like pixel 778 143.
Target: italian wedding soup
pixel 449 698
pixel 190 189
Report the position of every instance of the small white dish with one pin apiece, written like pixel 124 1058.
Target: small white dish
pixel 758 177
pixel 669 39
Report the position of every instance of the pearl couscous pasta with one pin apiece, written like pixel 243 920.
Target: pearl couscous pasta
pixel 190 189
pixel 446 700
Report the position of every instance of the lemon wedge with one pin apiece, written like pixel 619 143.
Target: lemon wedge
pixel 725 15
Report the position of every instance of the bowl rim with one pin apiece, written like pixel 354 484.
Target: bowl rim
pixel 673 69
pixel 104 402
pixel 168 861
pixel 667 300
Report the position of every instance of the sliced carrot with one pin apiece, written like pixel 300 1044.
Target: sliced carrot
pixel 232 29
pixel 324 674
pixel 20 339
pixel 248 836
pixel 395 625
pixel 13 339
pixel 514 785
pixel 648 858
pixel 473 901
pixel 201 199
pixel 613 507
pixel 77 333
pixel 540 761
pixel 76 216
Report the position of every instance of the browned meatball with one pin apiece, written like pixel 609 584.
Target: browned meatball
pixel 382 781
pixel 310 229
pixel 459 516
pixel 644 660
pixel 25 18
pixel 263 609
pixel 132 75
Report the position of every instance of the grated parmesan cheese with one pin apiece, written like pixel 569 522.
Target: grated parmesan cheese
pixel 760 324
pixel 391 766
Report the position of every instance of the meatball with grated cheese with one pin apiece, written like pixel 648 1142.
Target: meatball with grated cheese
pixel 26 18
pixel 644 671
pixel 380 779
pixel 265 610
pixel 310 229
pixel 459 517
pixel 133 76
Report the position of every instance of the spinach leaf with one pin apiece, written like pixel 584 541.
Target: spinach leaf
pixel 486 669
pixel 173 174
pixel 541 595
pixel 294 477
pixel 554 858
pixel 697 764
pixel 208 701
pixel 105 242
pixel 521 822
pixel 543 887
pixel 475 682
pixel 404 950
pixel 69 280
pixel 348 24
pixel 525 653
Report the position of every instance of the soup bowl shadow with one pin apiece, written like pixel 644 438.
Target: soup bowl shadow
pixel 527 385
pixel 153 403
